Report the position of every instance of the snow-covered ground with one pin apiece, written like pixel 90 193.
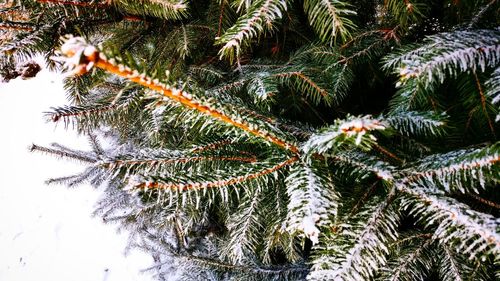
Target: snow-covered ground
pixel 46 232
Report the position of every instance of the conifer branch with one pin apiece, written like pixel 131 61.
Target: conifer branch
pixel 409 265
pixel 457 170
pixel 361 165
pixel 388 153
pixel 82 57
pixel 405 240
pixel 21 26
pixel 364 246
pixel 353 131
pixel 330 19
pixel 277 270
pixel 125 163
pixel 469 231
pixel 481 13
pixel 62 154
pixel 313 199
pixel 260 17
pixel 211 146
pixel 213 184
pixel 446 55
pixel 362 200
pixel 90 3
pixel 493 89
pixel 484 201
pixel 450 268
pixel 309 85
pixel 483 104
pixel 65 113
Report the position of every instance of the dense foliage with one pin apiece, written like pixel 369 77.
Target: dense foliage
pixel 283 139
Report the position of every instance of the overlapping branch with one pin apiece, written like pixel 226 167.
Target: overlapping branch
pixel 82 57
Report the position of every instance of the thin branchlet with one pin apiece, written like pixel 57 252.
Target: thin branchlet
pixel 213 184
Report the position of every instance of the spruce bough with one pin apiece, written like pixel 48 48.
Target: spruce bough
pixel 282 140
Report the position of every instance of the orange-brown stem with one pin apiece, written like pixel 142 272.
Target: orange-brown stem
pixel 388 153
pixel 301 75
pixel 74 3
pixel 212 184
pixel 179 160
pixel 184 99
pixel 416 176
pixel 211 146
pixel 484 201
pixel 483 104
pixel 15 27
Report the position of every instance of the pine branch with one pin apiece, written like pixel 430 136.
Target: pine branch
pixel 360 248
pixel 62 154
pixel 165 9
pixel 417 123
pixel 82 57
pixel 95 144
pixel 353 131
pixel 161 164
pixel 407 12
pixel 78 111
pixel 446 55
pixel 414 264
pixel 450 268
pixel 304 84
pixel 461 170
pixel 470 232
pixel 330 19
pixel 484 201
pixel 83 3
pixel 483 103
pixel 275 270
pixel 313 200
pixel 359 165
pixel 259 17
pixel 211 146
pixel 21 26
pixel 493 90
pixel 214 184
pixel 245 229
pixel 481 13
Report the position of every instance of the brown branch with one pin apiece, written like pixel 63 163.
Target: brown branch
pixel 177 160
pixel 212 184
pixel 483 104
pixel 486 235
pixel 361 201
pixel 301 75
pixel 347 60
pixel 484 201
pixel 211 146
pixel 16 26
pixel 416 236
pixel 388 153
pixel 132 18
pixel 74 3
pixel 221 15
pixel 99 60
pixel 229 86
pixel 445 170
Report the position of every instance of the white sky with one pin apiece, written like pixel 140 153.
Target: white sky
pixel 46 232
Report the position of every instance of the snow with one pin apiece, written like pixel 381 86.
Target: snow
pixel 46 232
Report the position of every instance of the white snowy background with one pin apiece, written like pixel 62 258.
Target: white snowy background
pixel 47 232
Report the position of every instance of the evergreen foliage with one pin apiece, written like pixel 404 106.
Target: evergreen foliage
pixel 282 140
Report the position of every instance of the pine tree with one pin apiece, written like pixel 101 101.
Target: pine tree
pixel 281 139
